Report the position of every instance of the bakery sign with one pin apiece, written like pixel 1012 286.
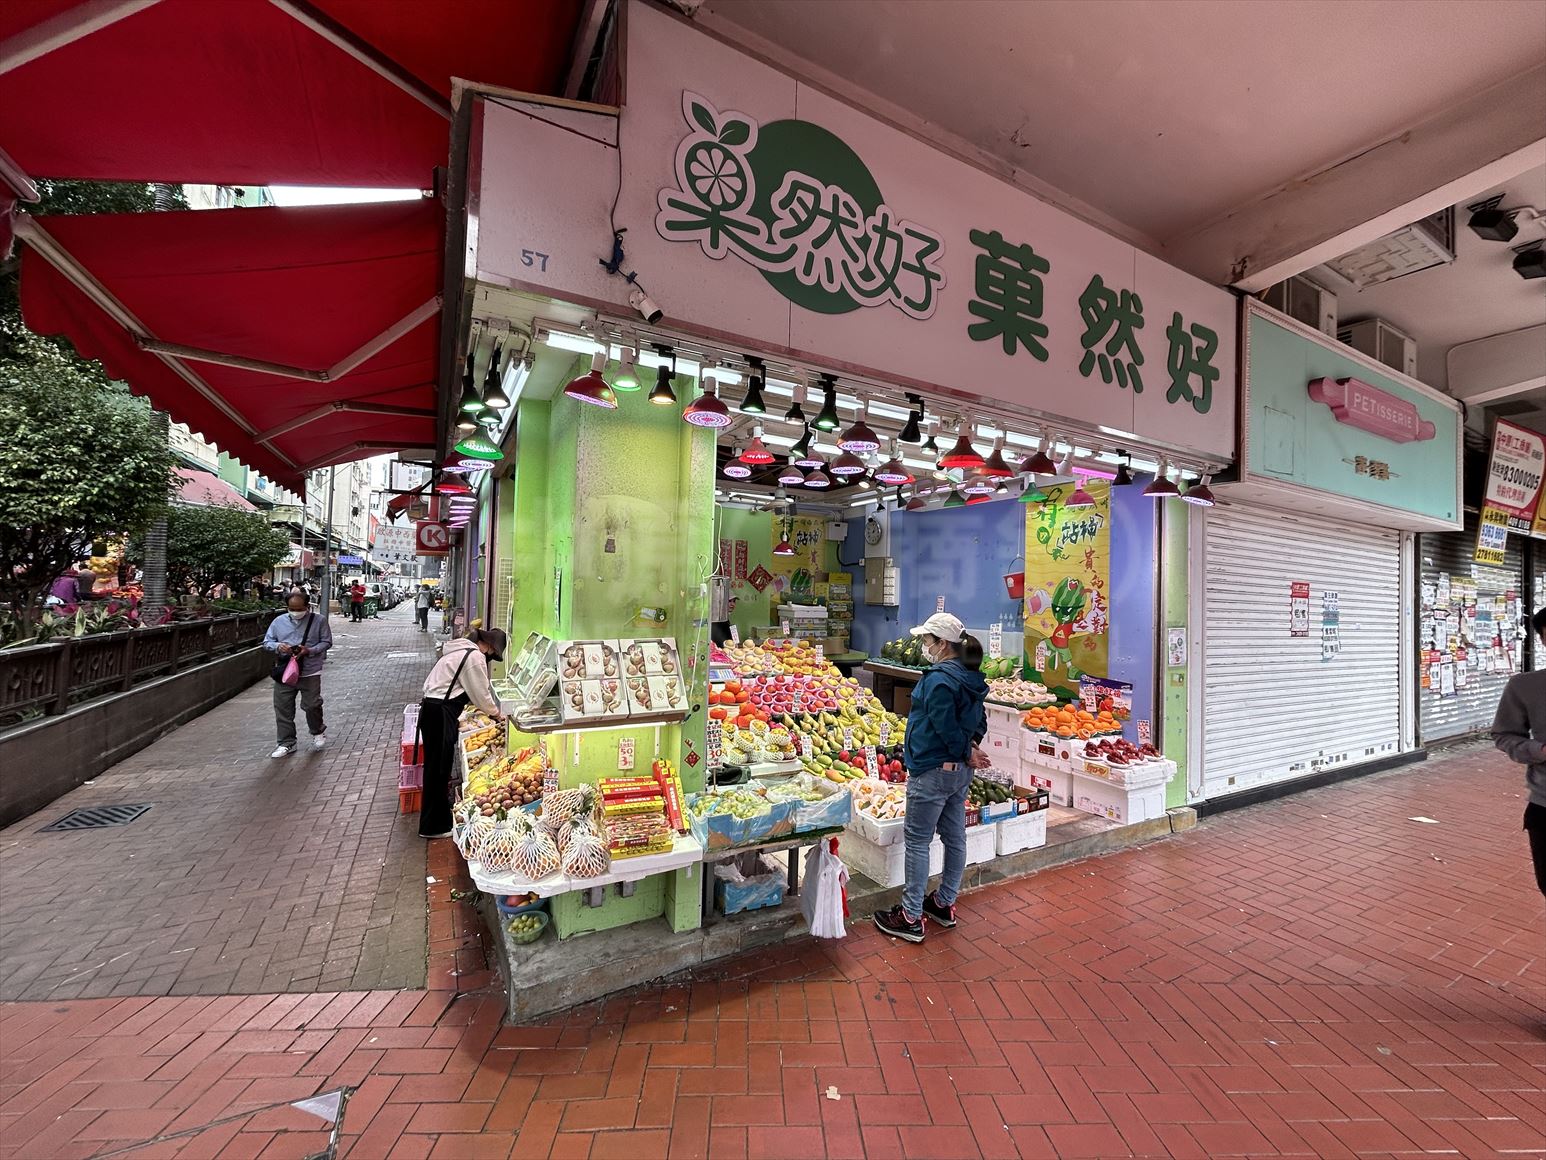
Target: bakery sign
pixel 1372 409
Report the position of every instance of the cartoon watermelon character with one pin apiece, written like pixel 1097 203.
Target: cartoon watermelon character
pixel 1068 602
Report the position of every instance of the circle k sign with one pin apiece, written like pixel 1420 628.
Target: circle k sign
pixel 432 538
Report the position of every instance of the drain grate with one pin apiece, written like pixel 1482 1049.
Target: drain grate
pixel 95 817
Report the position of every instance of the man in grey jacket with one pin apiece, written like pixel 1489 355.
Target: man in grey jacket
pixel 299 632
pixel 1519 730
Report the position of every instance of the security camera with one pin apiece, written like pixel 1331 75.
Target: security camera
pixel 645 305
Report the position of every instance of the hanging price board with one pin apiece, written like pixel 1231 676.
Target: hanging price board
pixel 995 640
pixel 625 753
pixel 714 743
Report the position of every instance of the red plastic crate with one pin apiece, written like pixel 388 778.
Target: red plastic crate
pixel 408 800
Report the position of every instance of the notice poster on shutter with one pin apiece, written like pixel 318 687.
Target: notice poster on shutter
pixel 1446 679
pixel 1299 608
pixel 1331 625
pixel 1492 537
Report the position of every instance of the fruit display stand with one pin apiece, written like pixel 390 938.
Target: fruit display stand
pixel 684 852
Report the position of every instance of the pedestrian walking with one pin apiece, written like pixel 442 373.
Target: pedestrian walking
pixel 422 599
pixel 461 674
pixel 943 729
pixel 357 601
pixel 1519 730
pixel 302 632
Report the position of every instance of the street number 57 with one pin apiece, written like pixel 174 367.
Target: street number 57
pixel 533 258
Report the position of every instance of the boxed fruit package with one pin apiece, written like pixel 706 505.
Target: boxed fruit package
pixel 739 816
pixel 821 804
pixel 656 694
pixel 650 657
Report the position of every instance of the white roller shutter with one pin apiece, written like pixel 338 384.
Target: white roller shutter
pixel 1272 709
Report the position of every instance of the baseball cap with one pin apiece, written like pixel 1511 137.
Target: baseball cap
pixel 942 625
pixel 495 638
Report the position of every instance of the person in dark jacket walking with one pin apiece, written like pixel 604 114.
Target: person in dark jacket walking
pixel 1519 730
pixel 943 729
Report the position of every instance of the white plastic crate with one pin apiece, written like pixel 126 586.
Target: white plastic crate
pixel 1118 803
pixel 1022 832
pixel 880 832
pixel 1057 782
pixel 981 845
pixel 885 865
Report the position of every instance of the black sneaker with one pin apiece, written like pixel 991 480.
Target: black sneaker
pixel 934 912
pixel 896 923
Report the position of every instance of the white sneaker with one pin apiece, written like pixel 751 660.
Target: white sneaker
pixel 283 751
pixel 319 740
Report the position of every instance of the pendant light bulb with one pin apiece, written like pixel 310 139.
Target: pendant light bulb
pixel 627 377
pixel 1200 494
pixel 859 438
pixel 817 478
pixel 995 465
pixel 963 454
pixel 736 469
pixel 591 387
pixel 827 420
pixel 465 422
pixel 931 445
pixel 756 454
pixel 1080 498
pixel 847 464
pixel 791 475
pixel 663 395
pixel 953 500
pixel 493 390
pixel 1161 487
pixel 753 403
pixel 910 432
pixel 707 410
pixel 893 471
pixel 801 454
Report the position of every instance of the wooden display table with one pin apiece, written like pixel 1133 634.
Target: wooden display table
pixel 894 685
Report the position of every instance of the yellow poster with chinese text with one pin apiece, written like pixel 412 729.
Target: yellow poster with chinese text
pixel 807 535
pixel 1067 587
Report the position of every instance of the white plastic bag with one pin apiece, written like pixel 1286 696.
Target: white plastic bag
pixel 821 899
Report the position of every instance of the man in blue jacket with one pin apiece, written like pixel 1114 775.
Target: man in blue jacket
pixel 943 729
pixel 299 632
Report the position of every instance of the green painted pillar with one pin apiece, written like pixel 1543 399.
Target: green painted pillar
pixel 1175 565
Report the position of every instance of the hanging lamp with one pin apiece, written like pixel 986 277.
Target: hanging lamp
pixel 1200 494
pixel 963 454
pixel 791 475
pixel 1161 487
pixel 707 410
pixel 756 454
pixel 663 395
pixel 591 387
pixel 783 547
pixel 995 466
pixel 910 432
pixel 493 390
pixel 471 402
pixel 859 438
pixel 753 404
pixel 827 420
pixel 736 468
pixel 847 464
pixel 1123 477
pixel 1080 498
pixel 478 446
pixel 802 455
pixel 627 377
pixel 817 478
pixel 893 471
pixel 953 500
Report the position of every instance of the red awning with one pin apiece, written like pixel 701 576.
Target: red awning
pixel 202 489
pixel 259 92
pixel 289 338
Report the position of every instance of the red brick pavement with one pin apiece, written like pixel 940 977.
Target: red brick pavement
pixel 1321 976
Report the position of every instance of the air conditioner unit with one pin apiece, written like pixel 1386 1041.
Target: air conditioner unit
pixel 1305 301
pixel 1381 341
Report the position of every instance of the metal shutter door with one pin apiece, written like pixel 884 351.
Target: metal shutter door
pixel 1272 709
pixel 1471 709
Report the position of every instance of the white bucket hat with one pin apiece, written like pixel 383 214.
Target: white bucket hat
pixel 942 625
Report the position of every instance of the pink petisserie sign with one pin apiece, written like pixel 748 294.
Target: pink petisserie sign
pixel 1372 409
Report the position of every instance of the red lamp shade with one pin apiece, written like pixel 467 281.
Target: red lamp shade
pixel 735 469
pixel 848 464
pixel 791 475
pixel 756 454
pixel 995 467
pixel 707 410
pixel 784 547
pixel 1038 464
pixel 453 487
pixel 1200 494
pixel 1161 487
pixel 591 387
pixel 817 478
pixel 892 473
pixel 962 455
pixel 859 438
pixel 978 485
pixel 917 503
pixel 1080 498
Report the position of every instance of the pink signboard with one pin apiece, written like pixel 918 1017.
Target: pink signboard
pixel 1372 409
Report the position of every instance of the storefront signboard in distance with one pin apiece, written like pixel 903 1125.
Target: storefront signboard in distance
pixel 770 217
pixel 1514 472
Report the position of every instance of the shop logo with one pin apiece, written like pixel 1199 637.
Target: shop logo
pixel 1372 409
pixel 796 203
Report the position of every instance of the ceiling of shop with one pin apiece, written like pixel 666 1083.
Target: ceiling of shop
pixel 1161 116
pixel 1475 296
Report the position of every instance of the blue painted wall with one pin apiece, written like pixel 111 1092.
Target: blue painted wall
pixel 964 553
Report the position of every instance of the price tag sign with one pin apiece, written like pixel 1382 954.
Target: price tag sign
pixel 735 635
pixel 939 603
pixel 549 780
pixel 799 699
pixel 870 765
pixel 783 627
pixel 848 737
pixel 801 745
pixel 714 742
pixel 625 753
pixel 821 652
pixel 1145 732
pixel 885 731
pixel 995 640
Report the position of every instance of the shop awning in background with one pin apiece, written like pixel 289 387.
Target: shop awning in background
pixel 259 92
pixel 289 338
pixel 202 489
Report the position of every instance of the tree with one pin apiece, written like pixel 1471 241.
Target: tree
pixel 79 461
pixel 215 544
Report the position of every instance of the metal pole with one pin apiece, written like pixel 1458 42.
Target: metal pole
pixel 300 571
pixel 327 571
pixel 154 563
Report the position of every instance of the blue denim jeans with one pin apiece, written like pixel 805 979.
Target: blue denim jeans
pixel 936 803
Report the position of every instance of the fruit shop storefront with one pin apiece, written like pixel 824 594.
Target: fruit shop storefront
pixel 711 410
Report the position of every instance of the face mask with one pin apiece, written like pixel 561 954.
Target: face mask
pixel 935 652
pixel 298 616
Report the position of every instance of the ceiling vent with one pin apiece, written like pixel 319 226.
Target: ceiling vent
pixel 1383 342
pixel 1305 301
pixel 1420 246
